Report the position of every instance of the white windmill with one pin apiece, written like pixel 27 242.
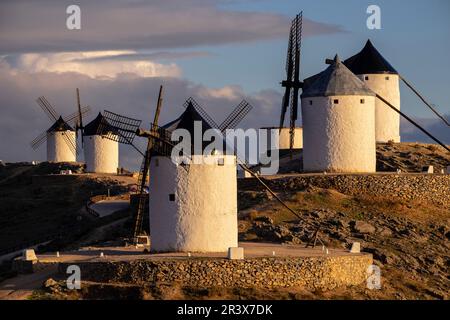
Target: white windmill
pixel 338 112
pixel 61 137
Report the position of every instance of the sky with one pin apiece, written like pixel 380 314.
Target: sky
pixel 217 51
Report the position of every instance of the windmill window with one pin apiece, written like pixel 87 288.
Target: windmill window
pixel 336 101
pixel 362 101
pixel 310 102
pixel 220 162
pixel 172 197
pixel 387 78
pixel 366 78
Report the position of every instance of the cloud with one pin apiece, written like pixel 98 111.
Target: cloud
pixel 40 26
pixel 125 94
pixel 158 55
pixel 96 64
pixel 226 92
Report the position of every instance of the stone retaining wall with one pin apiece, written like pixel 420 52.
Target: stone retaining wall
pixel 323 273
pixel 426 187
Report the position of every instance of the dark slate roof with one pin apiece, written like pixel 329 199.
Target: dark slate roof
pixel 98 126
pixel 186 121
pixel 60 125
pixel 336 80
pixel 369 61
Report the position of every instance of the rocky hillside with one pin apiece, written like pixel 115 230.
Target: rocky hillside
pixel 34 211
pixel 409 239
pixel 411 157
pixel 406 156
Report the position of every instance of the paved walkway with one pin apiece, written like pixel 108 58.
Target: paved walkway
pixel 251 250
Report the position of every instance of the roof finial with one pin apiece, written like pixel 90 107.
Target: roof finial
pixel 337 59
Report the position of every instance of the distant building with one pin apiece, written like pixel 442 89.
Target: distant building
pixel 338 112
pixel 100 153
pixel 60 137
pixel 378 74
pixel 284 138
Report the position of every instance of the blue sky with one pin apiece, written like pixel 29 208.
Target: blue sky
pixel 415 38
pixel 217 51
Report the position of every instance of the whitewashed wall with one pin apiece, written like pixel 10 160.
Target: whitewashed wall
pixel 203 217
pixel 284 137
pixel 101 154
pixel 387 121
pixel 58 149
pixel 339 137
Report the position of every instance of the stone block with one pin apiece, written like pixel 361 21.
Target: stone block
pixel 235 253
pixel 428 169
pixel 29 255
pixel 142 241
pixel 356 247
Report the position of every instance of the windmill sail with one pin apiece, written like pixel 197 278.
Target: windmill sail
pixel 53 116
pixel 292 82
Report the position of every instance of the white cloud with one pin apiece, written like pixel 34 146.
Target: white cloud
pixel 227 92
pixel 83 63
pixel 39 26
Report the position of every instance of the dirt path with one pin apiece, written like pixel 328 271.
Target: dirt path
pixel 22 286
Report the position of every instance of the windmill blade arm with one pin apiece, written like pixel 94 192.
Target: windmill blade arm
pixel 37 142
pixel 124 127
pixel 202 112
pixel 284 105
pixel 74 117
pixel 49 107
pixel 424 101
pixel 47 111
pixel 71 143
pixel 241 110
pixel 413 122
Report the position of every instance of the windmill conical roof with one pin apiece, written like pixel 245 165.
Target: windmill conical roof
pixel 336 80
pixel 369 61
pixel 60 125
pixel 98 126
pixel 186 121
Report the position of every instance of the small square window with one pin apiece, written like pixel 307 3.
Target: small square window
pixel 172 197
pixel 220 162
pixel 310 102
pixel 387 78
pixel 366 78
pixel 362 101
pixel 336 101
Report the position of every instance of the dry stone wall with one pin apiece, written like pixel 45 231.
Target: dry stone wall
pixel 426 187
pixel 325 273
